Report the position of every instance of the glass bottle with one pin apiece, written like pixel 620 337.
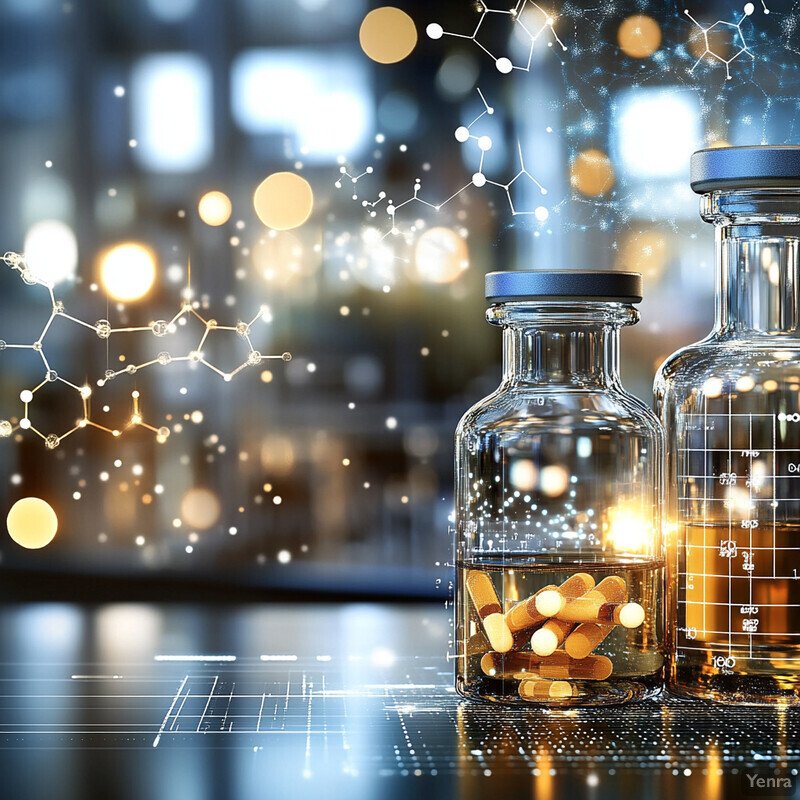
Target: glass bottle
pixel 558 498
pixel 730 406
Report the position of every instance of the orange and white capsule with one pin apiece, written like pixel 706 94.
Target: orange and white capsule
pixel 584 638
pixel 535 689
pixel 525 614
pixel 546 639
pixel 552 603
pixel 585 609
pixel 484 598
pixel 559 666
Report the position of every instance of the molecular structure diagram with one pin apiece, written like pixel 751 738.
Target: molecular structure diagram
pixel 748 11
pixel 522 15
pixel 462 134
pixel 104 330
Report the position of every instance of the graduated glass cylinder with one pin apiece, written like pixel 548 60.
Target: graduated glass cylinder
pixel 558 474
pixel 731 407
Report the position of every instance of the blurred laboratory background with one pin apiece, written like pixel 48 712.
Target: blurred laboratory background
pixel 209 185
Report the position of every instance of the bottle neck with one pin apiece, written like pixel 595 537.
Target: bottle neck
pixel 758 261
pixel 562 345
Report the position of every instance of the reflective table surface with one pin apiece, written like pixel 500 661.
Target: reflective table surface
pixel 328 701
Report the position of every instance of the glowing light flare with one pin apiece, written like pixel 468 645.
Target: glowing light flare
pixel 32 523
pixel 283 200
pixel 441 255
pixel 657 127
pixel 387 35
pixel 214 208
pixel 127 271
pixel 51 251
pixel 200 508
pixel 628 529
pixel 639 36
pixel 591 173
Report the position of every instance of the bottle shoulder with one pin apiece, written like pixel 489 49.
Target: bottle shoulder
pixel 727 358
pixel 571 411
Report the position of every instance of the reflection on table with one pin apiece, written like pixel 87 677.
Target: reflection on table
pixel 334 700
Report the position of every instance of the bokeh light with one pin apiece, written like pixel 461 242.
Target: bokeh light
pixel 591 173
pixel 214 208
pixel 283 200
pixel 387 35
pixel 639 36
pixel 441 256
pixel 200 508
pixel 51 251
pixel 280 257
pixel 553 480
pixel 646 252
pixel 32 523
pixel 127 271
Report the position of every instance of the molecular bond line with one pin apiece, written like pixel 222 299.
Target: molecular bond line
pixel 462 134
pixel 520 15
pixel 743 48
pixel 104 330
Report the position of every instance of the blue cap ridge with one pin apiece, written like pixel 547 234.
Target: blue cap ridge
pixel 755 167
pixel 599 285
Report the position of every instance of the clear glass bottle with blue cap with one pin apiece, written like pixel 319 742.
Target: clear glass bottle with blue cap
pixel 731 408
pixel 559 550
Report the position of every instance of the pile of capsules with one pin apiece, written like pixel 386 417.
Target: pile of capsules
pixel 577 614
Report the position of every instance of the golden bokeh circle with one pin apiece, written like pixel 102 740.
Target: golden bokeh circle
pixel 200 508
pixel 387 35
pixel 214 208
pixel 639 36
pixel 283 200
pixel 127 271
pixel 591 173
pixel 32 523
pixel 441 255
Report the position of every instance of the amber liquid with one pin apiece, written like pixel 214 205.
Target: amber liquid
pixel 637 655
pixel 736 593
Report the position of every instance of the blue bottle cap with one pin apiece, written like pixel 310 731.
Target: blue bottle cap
pixel 757 167
pixel 558 284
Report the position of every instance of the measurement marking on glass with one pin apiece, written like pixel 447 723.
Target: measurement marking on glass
pixel 208 702
pixel 751 529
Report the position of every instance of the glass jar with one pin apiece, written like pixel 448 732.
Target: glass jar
pixel 731 408
pixel 559 559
